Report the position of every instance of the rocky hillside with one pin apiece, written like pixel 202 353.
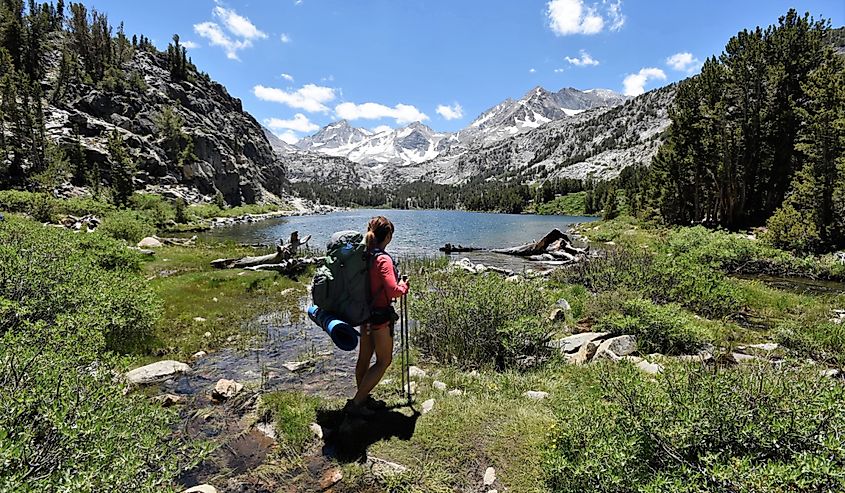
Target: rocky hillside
pixel 599 143
pixel 232 154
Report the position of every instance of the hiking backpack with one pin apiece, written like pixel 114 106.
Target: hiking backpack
pixel 342 285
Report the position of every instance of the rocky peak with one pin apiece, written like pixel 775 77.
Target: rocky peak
pixel 233 156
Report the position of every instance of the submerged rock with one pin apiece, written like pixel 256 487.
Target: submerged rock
pixel 167 400
pixel 156 372
pixel 226 389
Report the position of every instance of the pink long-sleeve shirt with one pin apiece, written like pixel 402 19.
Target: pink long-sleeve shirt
pixel 383 285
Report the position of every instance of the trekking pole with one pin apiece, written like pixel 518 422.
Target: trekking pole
pixel 406 340
pixel 401 342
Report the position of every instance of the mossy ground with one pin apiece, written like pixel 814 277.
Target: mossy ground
pixel 229 300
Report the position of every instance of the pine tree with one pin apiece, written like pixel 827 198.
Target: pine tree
pixel 121 169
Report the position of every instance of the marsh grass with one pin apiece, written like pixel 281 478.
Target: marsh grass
pixel 183 278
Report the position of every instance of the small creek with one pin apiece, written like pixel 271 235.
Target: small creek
pixel 800 285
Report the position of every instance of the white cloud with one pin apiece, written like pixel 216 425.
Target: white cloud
pixel 559 70
pixel 287 77
pixel 401 113
pixel 450 112
pixel 684 62
pixel 635 83
pixel 309 97
pixel 237 24
pixel 573 17
pixel 532 70
pixel 191 45
pixel 382 128
pixel 284 38
pixel 585 61
pixel 300 123
pixel 212 32
pixel 576 17
pixel 289 137
pixel 614 12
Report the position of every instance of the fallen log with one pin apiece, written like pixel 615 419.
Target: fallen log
pixel 284 251
pixel 450 248
pixel 539 247
pixel 288 267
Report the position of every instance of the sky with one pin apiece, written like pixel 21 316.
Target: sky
pixel 298 65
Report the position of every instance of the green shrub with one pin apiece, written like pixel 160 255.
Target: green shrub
pixel 16 201
pixel 127 225
pixel 663 329
pixel 481 320
pixel 760 429
pixel 155 209
pixel 791 230
pixel 820 341
pixel 51 275
pixel 664 279
pixel 292 413
pixel 66 299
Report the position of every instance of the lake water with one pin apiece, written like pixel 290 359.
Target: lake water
pixel 418 232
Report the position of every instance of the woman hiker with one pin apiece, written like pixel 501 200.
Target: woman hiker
pixel 377 332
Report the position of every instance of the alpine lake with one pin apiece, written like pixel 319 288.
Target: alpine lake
pixel 419 233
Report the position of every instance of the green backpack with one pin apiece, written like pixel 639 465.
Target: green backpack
pixel 342 286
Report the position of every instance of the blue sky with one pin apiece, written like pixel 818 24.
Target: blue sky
pixel 301 64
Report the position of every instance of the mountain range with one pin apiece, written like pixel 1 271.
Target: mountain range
pixel 569 133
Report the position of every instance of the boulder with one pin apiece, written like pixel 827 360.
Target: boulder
pixel 489 476
pixel 203 488
pixel 382 468
pixel 150 242
pixel 439 385
pixel 317 430
pixel 156 372
pixel 558 314
pixel 535 395
pixel 768 346
pixel 427 406
pixel 199 355
pixel 455 392
pixel 741 358
pixel 620 346
pixel 650 368
pixel 584 354
pixel 563 304
pixel 574 342
pixel 226 389
pixel 416 372
pixel 607 354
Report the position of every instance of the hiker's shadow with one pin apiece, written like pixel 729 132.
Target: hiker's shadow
pixel 347 438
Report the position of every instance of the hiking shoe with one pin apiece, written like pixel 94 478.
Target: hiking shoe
pixel 374 404
pixel 357 410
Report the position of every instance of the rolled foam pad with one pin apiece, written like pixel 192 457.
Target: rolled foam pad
pixel 343 335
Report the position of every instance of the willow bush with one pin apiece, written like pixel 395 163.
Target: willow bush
pixel 482 320
pixel 696 429
pixel 69 303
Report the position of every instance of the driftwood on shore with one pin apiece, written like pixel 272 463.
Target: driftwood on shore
pixel 450 248
pixel 284 253
pixel 288 267
pixel 556 245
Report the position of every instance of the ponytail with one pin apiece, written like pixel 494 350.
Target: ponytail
pixel 378 229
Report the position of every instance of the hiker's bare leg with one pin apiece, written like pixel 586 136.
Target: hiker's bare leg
pixel 365 355
pixel 384 356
